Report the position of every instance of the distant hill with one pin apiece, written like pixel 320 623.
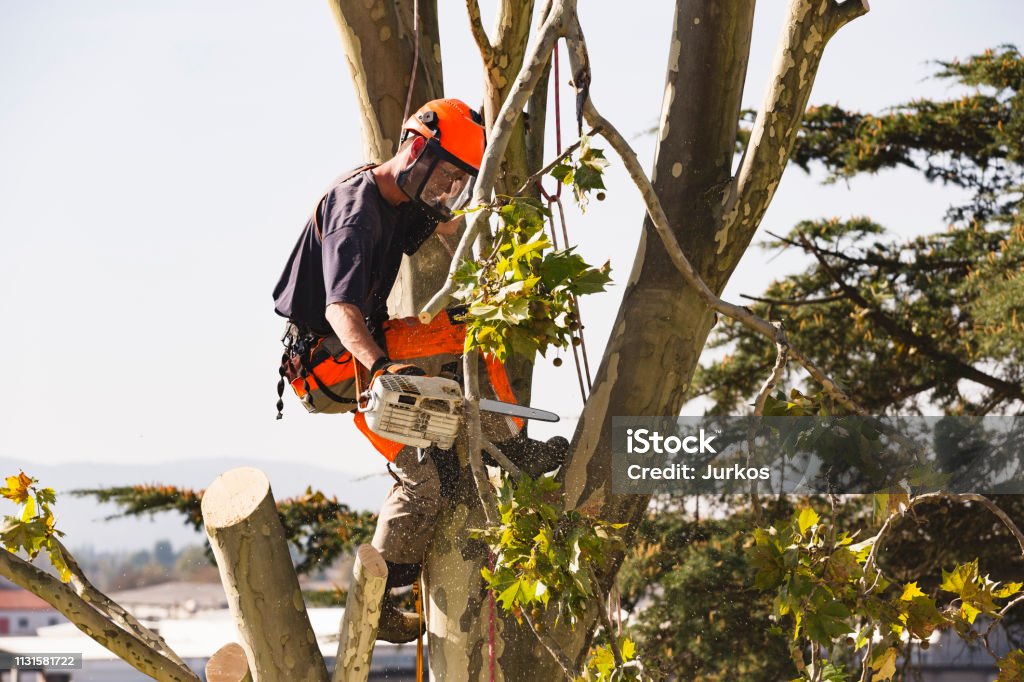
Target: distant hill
pixel 82 518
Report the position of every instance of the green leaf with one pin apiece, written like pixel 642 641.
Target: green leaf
pixel 828 622
pixel 29 511
pixel 807 518
pixel 508 596
pixel 628 649
pixel 923 617
pixel 562 173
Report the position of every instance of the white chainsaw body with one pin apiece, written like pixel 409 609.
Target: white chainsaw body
pixel 417 411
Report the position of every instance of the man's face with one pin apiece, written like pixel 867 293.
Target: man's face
pixel 435 179
pixel 445 185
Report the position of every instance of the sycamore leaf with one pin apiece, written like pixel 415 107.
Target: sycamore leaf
pixel 884 664
pixel 29 512
pixel 628 649
pixel 808 517
pixel 922 617
pixel 1007 590
pixel 911 590
pixel 57 559
pixel 508 596
pixel 17 488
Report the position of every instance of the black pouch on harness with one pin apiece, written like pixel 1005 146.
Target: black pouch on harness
pixel 320 371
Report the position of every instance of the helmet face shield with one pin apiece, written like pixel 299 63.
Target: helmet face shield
pixel 440 182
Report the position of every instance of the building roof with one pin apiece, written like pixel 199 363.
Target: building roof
pixel 22 600
pixel 174 593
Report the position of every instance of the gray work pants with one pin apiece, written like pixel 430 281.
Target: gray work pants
pixel 407 518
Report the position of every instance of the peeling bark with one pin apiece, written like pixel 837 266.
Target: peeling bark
pixel 808 27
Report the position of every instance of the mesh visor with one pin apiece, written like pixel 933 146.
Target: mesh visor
pixel 439 181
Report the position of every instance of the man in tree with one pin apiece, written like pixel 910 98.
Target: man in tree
pixel 334 292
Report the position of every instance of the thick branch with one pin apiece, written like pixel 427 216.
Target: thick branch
pixel 471 413
pixel 248 541
pixel 782 358
pixel 808 28
pixel 112 610
pixel 476 27
pixel 552 646
pixel 526 81
pixel 126 645
pixel 359 623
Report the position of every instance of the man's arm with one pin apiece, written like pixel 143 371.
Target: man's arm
pixel 347 322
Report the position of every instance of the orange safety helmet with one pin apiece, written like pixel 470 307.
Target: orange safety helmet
pixel 441 178
pixel 457 128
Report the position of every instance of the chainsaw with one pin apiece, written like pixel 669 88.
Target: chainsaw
pixel 425 411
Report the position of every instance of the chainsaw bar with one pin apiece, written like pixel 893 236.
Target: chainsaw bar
pixel 513 410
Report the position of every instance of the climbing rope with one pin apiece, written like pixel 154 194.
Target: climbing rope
pixel 419 639
pixel 582 366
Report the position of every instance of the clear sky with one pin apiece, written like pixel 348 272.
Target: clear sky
pixel 158 160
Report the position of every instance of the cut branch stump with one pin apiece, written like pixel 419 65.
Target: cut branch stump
pixel 228 664
pixel 256 570
pixel 362 616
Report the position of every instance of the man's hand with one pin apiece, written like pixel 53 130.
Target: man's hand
pixel 451 227
pixel 388 366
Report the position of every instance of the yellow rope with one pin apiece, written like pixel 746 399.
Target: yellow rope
pixel 419 639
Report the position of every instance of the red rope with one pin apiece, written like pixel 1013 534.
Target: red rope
pixel 556 199
pixel 490 622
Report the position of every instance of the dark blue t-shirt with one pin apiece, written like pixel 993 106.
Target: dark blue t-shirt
pixel 349 252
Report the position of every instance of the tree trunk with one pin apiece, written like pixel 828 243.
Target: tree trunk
pixel 362 616
pixel 256 569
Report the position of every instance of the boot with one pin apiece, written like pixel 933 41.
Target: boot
pixel 533 457
pixel 397 626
